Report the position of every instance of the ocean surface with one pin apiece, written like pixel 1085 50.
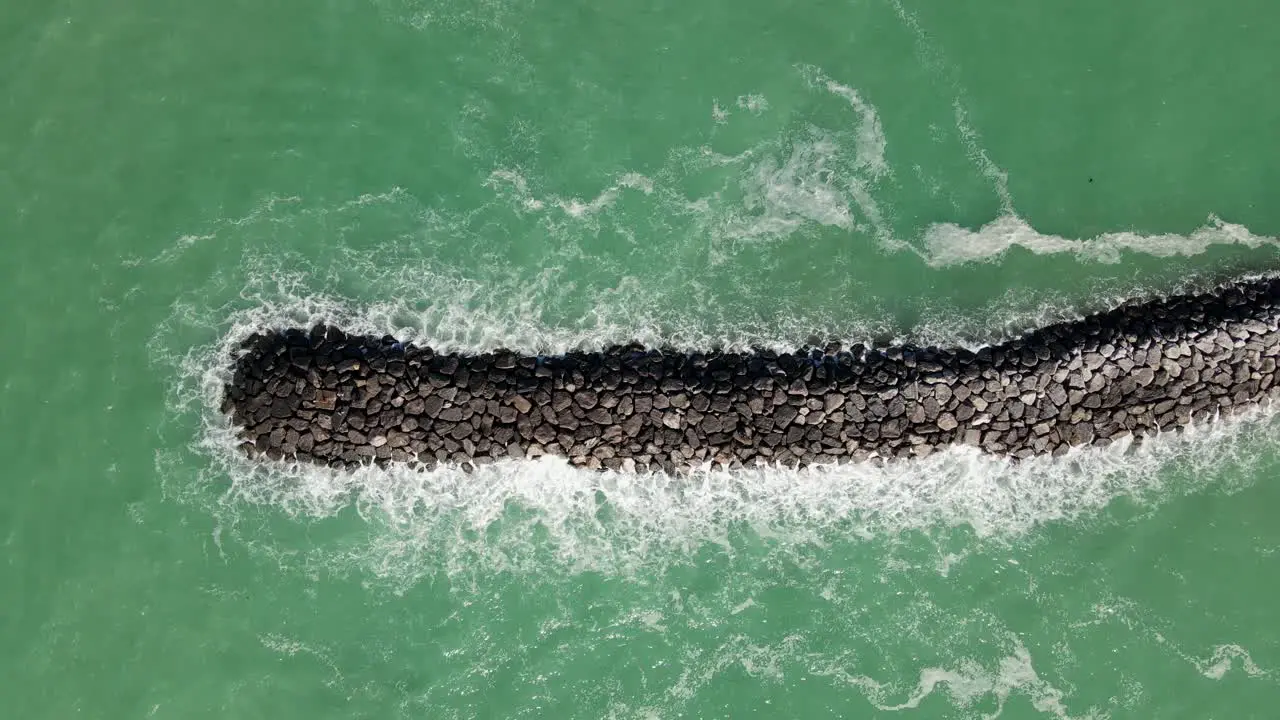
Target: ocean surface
pixel 549 175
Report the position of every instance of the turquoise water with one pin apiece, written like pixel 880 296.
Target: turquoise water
pixel 553 175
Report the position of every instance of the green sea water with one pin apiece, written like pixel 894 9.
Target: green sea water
pixel 549 175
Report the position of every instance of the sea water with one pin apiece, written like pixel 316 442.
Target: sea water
pixel 552 176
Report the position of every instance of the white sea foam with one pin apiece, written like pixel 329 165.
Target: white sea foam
pixel 815 176
pixel 753 103
pixel 780 195
pixel 604 520
pixel 1009 682
pixel 822 176
pixel 512 181
pixel 1224 658
pixel 607 520
pixel 977 155
pixel 719 115
pixel 289 647
pixel 1131 616
pixel 969 682
pixel 871 142
pixel 809 176
pixel 932 57
pixel 948 244
pixel 613 521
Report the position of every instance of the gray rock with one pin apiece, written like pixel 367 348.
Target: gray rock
pixel 432 406
pixel 1144 376
pixel 943 394
pixel 632 425
pixel 544 434
pixel 1077 383
pixel 561 401
pixel 1057 395
pixel 832 401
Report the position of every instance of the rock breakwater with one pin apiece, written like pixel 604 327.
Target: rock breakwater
pixel 322 396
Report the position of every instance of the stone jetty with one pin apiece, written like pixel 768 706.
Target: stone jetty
pixel 319 395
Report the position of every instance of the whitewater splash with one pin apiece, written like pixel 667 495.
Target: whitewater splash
pixel 948 244
pixel 971 682
pixel 807 182
pixel 564 299
pixel 321 395
pixel 815 178
pixel 512 514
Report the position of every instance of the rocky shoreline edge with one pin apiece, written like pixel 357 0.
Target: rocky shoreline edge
pixel 322 396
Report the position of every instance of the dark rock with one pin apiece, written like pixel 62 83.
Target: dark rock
pixel 322 396
pixel 1057 395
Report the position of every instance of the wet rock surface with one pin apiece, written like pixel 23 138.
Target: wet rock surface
pixel 322 396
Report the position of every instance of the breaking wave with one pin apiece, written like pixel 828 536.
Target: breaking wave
pixel 512 513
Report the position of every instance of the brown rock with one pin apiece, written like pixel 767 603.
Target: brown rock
pixel 560 401
pixel 544 434
pixel 432 405
pixel 631 426
pixel 832 402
